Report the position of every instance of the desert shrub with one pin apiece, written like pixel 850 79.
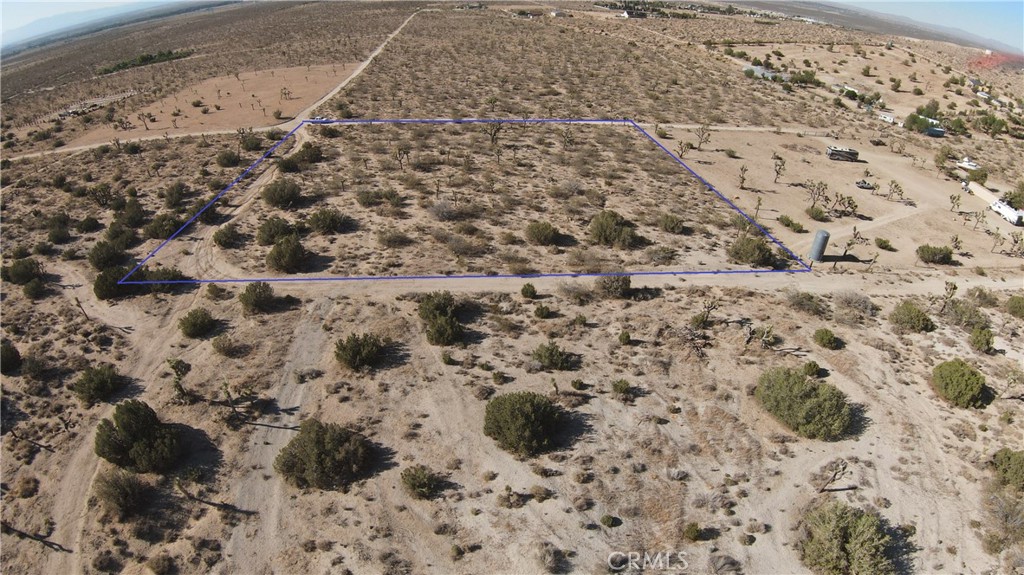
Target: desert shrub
pixel 328 221
pixel 791 224
pixel 907 317
pixel 257 297
pixel 437 310
pixel 228 236
pixel 97 384
pixel 360 350
pixel 935 254
pixel 523 423
pixel 34 289
pixel 692 532
pixel 1009 467
pixel 309 153
pixel 226 346
pixel 22 271
pixel 250 142
pixel 752 250
pixel 1015 306
pixel 162 564
pixel 136 439
pixel 965 314
pixel 421 482
pixel 528 291
pixel 87 225
pixel 806 302
pixel 673 224
pixel 541 233
pixel 287 255
pixel 884 244
pixel 550 356
pixel 10 358
pixel 106 287
pixel 162 226
pixel 839 539
pixel 618 287
pixel 811 409
pixel 121 492
pixel 817 214
pixel 197 323
pixel 324 456
pixel 959 383
pixel 981 340
pixel 608 228
pixel 58 235
pixel 811 369
pixel 542 311
pixel 625 338
pixel 826 339
pixel 104 255
pixel 121 236
pixel 621 387
pixel 228 158
pixel 282 193
pixel 393 239
pixel 272 230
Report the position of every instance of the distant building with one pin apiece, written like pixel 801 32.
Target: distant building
pixel 558 14
pixel 887 118
pixel 634 14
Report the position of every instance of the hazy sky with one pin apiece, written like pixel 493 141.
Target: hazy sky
pixel 1001 20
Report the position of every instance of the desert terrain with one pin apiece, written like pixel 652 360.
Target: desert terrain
pixel 418 275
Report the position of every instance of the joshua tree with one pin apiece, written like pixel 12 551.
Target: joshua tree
pixel 817 192
pixel 743 176
pixel 947 295
pixel 954 202
pixel 895 189
pixel 780 166
pixel 997 240
pixel 142 118
pixel 682 148
pixel 703 134
pixel 956 243
pixel 492 129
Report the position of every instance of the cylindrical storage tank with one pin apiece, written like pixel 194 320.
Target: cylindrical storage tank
pixel 819 245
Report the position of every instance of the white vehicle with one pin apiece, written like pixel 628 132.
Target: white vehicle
pixel 967 164
pixel 837 153
pixel 1009 214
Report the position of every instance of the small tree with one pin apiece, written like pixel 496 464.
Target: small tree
pixel 136 439
pixel 257 297
pixel 97 384
pixel 523 423
pixel 358 351
pixel 324 456
pixel 197 323
pixel 287 255
pixel 959 383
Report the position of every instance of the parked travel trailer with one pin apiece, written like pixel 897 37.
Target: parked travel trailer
pixel 846 154
pixel 967 164
pixel 1015 217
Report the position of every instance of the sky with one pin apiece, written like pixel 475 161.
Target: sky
pixel 1001 20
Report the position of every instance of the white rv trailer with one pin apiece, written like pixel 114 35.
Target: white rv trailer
pixel 1007 212
pixel 837 153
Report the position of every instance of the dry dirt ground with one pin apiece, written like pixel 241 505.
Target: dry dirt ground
pixel 692 445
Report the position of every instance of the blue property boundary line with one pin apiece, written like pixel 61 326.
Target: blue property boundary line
pixel 625 122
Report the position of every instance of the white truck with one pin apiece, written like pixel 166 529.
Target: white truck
pixel 1015 217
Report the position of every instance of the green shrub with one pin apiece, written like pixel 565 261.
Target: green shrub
pixel 34 289
pixel 136 439
pixel 839 539
pixel 437 310
pixel 621 387
pixel 282 193
pixel 1009 467
pixel 421 482
pixel 935 255
pixel 105 255
pixel 228 236
pixel 228 159
pixel 97 384
pixel 1015 306
pixel 121 492
pixel 811 369
pixel 752 250
pixel 959 383
pixel 692 532
pixel 792 224
pixel 550 356
pixel 907 317
pixel 826 339
pixel 523 423
pixel 162 226
pixel 624 338
pixel 197 323
pixel 287 255
pixel 982 340
pixel 884 244
pixel 966 314
pixel 542 311
pixel 87 225
pixel 360 350
pixel 618 286
pixel 328 221
pixel 106 287
pixel 324 456
pixel 541 233
pixel 528 291
pixel 811 409
pixel 10 358
pixel 673 225
pixel 22 271
pixel 58 235
pixel 257 297
pixel 272 230
pixel 817 214
pixel 436 304
pixel 608 228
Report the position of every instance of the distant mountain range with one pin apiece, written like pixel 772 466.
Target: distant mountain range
pixel 865 19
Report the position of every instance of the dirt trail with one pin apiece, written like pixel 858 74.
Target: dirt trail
pixel 254 543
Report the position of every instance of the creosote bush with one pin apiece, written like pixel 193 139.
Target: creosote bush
pixel 324 456
pixel 257 297
pixel 541 233
pixel 550 356
pixel 935 254
pixel 136 439
pixel 528 291
pixel 1009 468
pixel 909 318
pixel 287 255
pixel 839 539
pixel 97 384
pixel 959 383
pixel 228 236
pixel 328 221
pixel 608 228
pixel 523 423
pixel 437 310
pixel 618 287
pixel 282 193
pixel 982 340
pixel 197 323
pixel 273 229
pixel 22 271
pixel 812 409
pixel 358 351
pixel 826 339
pixel 1015 306
pixel 752 250
pixel 421 482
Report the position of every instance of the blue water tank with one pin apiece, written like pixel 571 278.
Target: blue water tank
pixel 819 245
